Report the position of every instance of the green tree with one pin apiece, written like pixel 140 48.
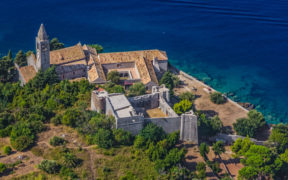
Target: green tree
pixel 55 44
pixel 57 141
pixel 217 98
pixel 204 150
pixel 7 69
pixel 248 173
pixel 3 168
pixel 201 169
pixel 259 161
pixel 137 89
pixel 249 126
pixel 187 95
pixel 114 77
pixel 241 146
pixel 153 133
pixel 104 138
pixel 167 79
pixel 9 56
pixel 7 150
pixel 21 136
pixel 279 135
pixel 219 148
pixel 209 127
pixel 49 166
pixel 182 107
pixel 70 160
pixel 98 47
pixel 20 59
pixel 122 137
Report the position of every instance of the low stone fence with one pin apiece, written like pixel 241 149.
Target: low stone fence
pixel 230 138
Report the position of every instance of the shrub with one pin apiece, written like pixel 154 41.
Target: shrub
pixel 37 151
pixel 57 141
pixel 123 137
pixel 98 47
pixel 56 120
pixel 104 138
pixel 152 133
pixel 49 166
pixel 70 160
pixel 217 98
pixel 187 95
pixel 21 143
pixel 68 173
pixel 114 77
pixel 137 89
pixel 3 168
pixel 182 107
pixel 7 150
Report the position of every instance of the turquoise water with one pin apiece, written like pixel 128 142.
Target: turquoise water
pixel 238 46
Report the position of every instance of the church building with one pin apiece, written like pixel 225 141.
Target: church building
pixel 78 62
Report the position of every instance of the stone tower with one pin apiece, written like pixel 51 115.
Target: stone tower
pixel 42 49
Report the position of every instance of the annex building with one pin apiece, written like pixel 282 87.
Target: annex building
pixel 79 61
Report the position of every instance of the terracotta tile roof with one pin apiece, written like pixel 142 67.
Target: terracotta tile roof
pixel 67 55
pixel 96 70
pixel 143 60
pixel 27 72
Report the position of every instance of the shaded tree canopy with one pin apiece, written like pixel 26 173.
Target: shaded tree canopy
pixel 55 44
pixel 98 47
pixel 20 59
pixel 249 126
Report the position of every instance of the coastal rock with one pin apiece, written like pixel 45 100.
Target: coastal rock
pixel 247 105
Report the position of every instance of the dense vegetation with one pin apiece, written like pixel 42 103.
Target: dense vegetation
pixel 137 89
pixel 251 125
pixel 170 80
pixel 260 161
pixel 7 69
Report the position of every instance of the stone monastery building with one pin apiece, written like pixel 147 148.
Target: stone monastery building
pixel 84 62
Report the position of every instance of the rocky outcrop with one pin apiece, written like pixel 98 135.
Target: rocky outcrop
pixel 247 105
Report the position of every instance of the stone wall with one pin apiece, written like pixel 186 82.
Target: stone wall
pixel 165 107
pixel 163 65
pixel 132 124
pixel 169 124
pixel 189 127
pixel 71 71
pixel 97 103
pixel 147 101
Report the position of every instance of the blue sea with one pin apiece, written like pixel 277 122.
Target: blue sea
pixel 238 47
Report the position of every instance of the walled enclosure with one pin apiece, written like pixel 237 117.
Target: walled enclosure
pixel 129 113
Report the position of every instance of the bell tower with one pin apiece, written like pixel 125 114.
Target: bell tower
pixel 42 49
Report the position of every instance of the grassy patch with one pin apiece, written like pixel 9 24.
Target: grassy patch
pixel 124 161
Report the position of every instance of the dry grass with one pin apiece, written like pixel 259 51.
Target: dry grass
pixel 227 112
pixel 155 113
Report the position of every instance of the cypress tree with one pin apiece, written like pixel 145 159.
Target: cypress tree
pixel 9 56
